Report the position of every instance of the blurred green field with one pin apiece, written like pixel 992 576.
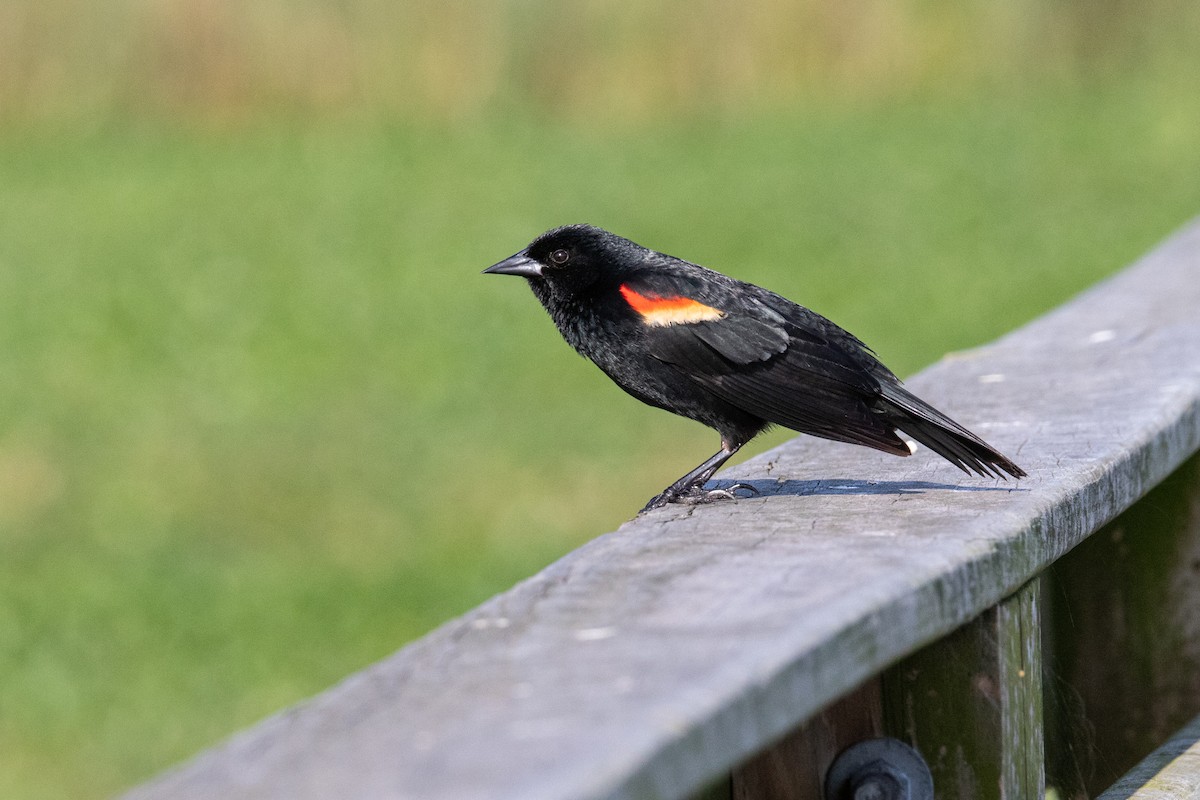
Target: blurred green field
pixel 262 420
pixel 217 63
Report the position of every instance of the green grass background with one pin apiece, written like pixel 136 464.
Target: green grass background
pixel 262 420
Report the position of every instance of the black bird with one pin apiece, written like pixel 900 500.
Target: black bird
pixel 729 354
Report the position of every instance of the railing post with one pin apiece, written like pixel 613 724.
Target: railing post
pixel 971 704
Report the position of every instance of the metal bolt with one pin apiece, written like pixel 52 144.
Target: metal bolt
pixel 879 769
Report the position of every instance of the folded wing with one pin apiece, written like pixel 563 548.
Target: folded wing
pixel 777 361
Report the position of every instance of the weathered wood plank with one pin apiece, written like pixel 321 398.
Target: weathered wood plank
pixel 653 659
pixel 1171 772
pixel 971 704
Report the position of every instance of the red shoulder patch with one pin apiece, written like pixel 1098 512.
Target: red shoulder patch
pixel 677 310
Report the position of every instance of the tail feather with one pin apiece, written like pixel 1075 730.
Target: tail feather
pixel 944 436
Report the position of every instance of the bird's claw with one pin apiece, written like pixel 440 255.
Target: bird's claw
pixel 701 496
pixel 696 495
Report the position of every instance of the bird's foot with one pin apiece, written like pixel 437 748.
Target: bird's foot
pixel 695 495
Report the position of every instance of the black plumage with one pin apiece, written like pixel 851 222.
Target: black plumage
pixel 728 354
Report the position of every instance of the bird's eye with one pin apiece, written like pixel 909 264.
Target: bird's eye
pixel 560 257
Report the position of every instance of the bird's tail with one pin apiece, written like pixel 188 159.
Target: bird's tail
pixel 943 435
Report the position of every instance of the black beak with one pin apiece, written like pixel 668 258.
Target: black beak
pixel 519 264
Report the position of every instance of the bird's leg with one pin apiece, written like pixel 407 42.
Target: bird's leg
pixel 690 483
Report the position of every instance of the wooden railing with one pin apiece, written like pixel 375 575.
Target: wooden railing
pixel 1016 634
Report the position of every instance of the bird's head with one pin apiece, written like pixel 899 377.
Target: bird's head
pixel 571 258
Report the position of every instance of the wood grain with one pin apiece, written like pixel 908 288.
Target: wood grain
pixel 656 658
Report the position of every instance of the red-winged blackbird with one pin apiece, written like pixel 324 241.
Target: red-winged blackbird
pixel 729 354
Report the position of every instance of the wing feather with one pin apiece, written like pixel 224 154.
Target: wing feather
pixel 775 360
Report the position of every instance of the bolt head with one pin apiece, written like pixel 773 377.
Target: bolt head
pixel 879 786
